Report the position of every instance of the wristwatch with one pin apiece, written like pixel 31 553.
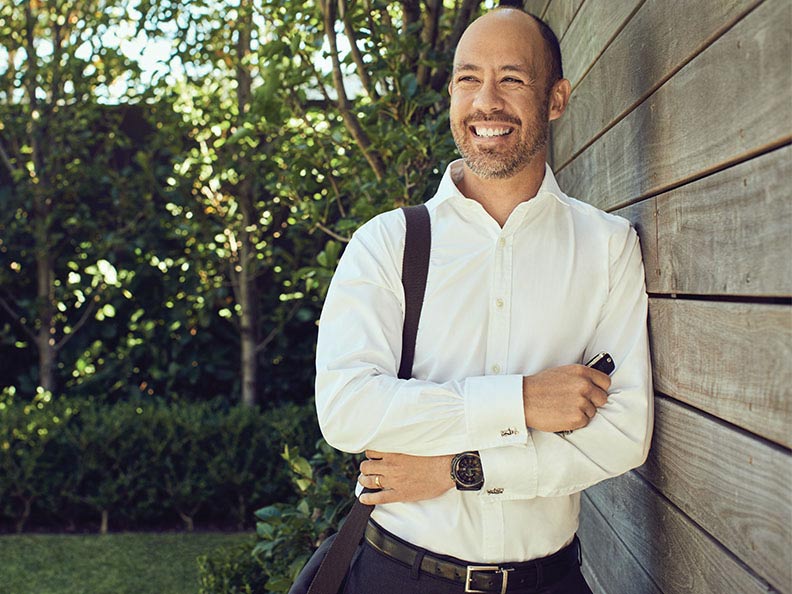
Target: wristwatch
pixel 467 472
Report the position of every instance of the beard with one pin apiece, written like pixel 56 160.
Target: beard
pixel 492 163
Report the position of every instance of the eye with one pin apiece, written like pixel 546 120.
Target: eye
pixel 512 80
pixel 466 79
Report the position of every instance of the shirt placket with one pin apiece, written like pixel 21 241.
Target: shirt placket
pixel 500 308
pixel 497 364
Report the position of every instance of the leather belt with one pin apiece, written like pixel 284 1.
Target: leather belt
pixel 478 578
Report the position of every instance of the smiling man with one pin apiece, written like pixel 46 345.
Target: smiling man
pixel 482 456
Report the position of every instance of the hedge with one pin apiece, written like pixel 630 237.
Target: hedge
pixel 77 464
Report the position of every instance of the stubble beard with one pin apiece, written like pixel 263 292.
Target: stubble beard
pixel 501 163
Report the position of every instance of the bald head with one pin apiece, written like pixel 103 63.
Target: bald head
pixel 520 28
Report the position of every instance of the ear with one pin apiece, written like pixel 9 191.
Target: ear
pixel 450 86
pixel 558 99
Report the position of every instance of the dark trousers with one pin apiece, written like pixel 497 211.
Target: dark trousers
pixel 374 573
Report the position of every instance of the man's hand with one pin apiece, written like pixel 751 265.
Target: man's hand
pixel 404 478
pixel 564 398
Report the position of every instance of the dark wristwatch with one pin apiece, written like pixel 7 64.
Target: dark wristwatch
pixel 467 472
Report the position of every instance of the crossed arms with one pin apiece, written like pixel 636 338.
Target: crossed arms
pixel 410 429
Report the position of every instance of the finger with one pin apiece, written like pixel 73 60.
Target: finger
pixel 369 480
pixel 380 497
pixel 601 380
pixel 589 409
pixel 599 398
pixel 374 455
pixel 370 467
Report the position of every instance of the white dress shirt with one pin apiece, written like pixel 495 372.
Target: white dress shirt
pixel 560 282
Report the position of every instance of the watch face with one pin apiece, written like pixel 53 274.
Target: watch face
pixel 467 470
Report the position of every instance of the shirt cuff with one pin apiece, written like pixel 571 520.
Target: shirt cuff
pixel 494 411
pixel 509 472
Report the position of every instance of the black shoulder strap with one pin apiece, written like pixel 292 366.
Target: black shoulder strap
pixel 415 266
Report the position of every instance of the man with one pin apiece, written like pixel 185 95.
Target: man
pixel 525 284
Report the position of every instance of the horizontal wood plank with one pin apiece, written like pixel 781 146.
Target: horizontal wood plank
pixel 608 565
pixel 731 360
pixel 594 27
pixel 733 485
pixel 723 107
pixel 559 15
pixel 679 557
pixel 726 234
pixel 650 48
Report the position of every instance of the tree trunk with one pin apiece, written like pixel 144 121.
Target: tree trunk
pixel 249 322
pixel 20 523
pixel 45 286
pixel 188 521
pixel 103 528
pixel 246 272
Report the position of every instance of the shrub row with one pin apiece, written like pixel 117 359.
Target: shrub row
pixel 76 465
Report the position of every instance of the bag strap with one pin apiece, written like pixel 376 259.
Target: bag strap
pixel 415 267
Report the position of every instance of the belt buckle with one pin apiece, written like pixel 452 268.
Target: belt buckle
pixel 490 568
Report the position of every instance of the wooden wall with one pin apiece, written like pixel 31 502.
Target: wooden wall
pixel 681 121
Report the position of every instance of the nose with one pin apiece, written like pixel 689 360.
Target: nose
pixel 488 98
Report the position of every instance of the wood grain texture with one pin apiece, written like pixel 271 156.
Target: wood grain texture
pixel 723 107
pixel 734 486
pixel 594 27
pixel 679 557
pixel 608 566
pixel 726 234
pixel 731 360
pixel 537 7
pixel 650 48
pixel 559 15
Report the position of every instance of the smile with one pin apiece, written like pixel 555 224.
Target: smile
pixel 489 132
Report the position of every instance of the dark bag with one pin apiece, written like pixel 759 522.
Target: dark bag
pixel 325 571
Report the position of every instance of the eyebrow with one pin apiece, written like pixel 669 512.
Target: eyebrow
pixel 505 68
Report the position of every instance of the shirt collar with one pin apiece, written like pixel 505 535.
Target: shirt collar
pixel 448 190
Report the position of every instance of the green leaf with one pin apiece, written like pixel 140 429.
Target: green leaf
pixel 409 85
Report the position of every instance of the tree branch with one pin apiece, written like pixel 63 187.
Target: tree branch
pixel 7 160
pixel 17 318
pixel 343 104
pixel 412 12
pixel 308 62
pixel 411 16
pixel 332 233
pixel 363 72
pixel 86 314
pixel 464 16
pixel 434 9
pixel 277 329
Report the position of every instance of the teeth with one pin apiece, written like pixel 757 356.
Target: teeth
pixel 488 132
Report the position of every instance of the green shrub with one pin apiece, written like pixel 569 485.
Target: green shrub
pixel 230 570
pixel 29 462
pixel 143 463
pixel 290 532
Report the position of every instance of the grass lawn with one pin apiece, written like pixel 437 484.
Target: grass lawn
pixel 127 563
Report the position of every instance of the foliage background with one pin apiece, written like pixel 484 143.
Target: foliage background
pixel 178 179
pixel 169 229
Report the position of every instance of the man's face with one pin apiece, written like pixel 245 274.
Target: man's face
pixel 499 103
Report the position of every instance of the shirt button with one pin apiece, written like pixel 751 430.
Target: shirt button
pixel 496 368
pixel 502 242
pixel 499 302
